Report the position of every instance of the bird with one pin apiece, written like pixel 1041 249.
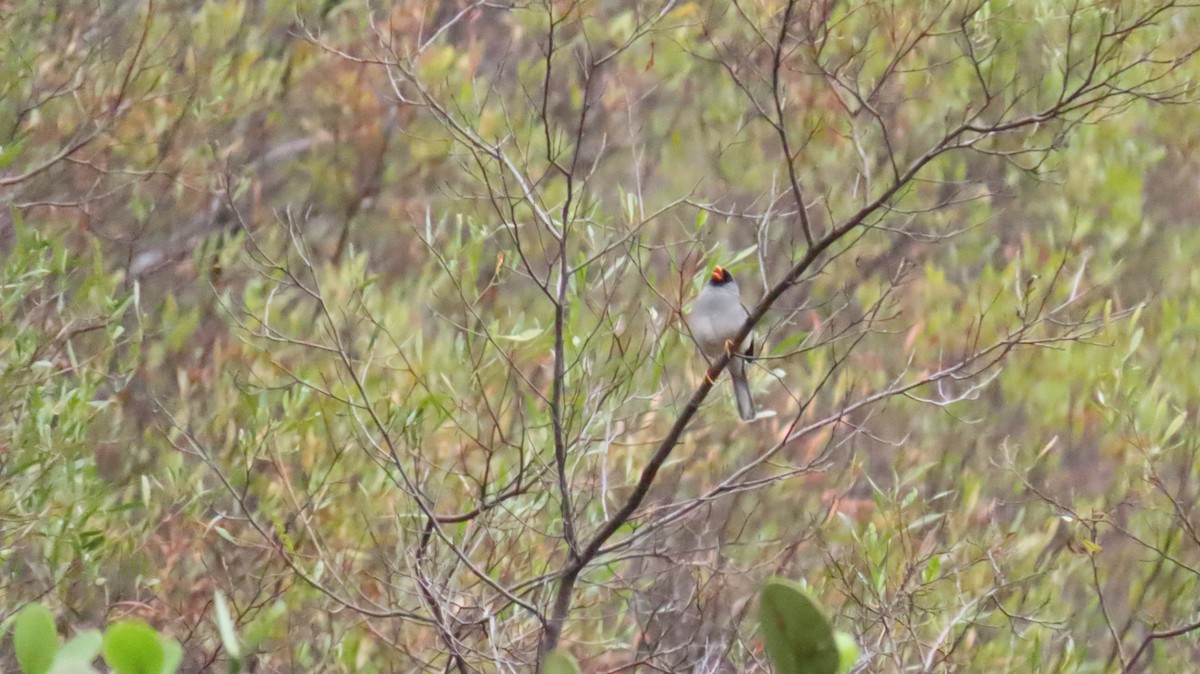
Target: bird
pixel 715 319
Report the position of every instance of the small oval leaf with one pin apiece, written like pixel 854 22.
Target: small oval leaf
pixel 847 651
pixel 133 647
pixel 83 647
pixel 797 635
pixel 35 639
pixel 225 626
pixel 172 655
pixel 72 666
pixel 523 336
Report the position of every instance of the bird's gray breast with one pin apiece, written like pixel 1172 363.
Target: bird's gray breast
pixel 716 316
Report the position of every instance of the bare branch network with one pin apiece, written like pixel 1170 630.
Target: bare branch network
pixel 571 455
pixel 522 427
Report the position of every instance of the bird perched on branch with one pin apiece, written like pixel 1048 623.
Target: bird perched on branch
pixel 716 317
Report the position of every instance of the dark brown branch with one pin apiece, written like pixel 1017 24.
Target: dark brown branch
pixel 781 126
pixel 1153 636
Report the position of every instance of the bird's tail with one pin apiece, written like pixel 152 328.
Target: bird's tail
pixel 741 390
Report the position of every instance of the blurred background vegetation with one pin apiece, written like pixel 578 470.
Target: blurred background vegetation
pixel 278 318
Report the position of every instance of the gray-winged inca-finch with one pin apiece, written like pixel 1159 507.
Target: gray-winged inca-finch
pixel 715 319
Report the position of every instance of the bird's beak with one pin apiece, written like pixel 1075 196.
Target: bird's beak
pixel 718 274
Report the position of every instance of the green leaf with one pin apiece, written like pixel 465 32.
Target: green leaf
pixel 1136 340
pixel 172 655
pixel 133 647
pixel 84 647
pixel 35 639
pixel 559 662
pixel 9 152
pixel 523 336
pixel 225 626
pixel 847 651
pixel 932 569
pixel 798 637
pixel 351 643
pixel 72 666
pixel 264 626
pixel 1175 425
pixel 741 255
